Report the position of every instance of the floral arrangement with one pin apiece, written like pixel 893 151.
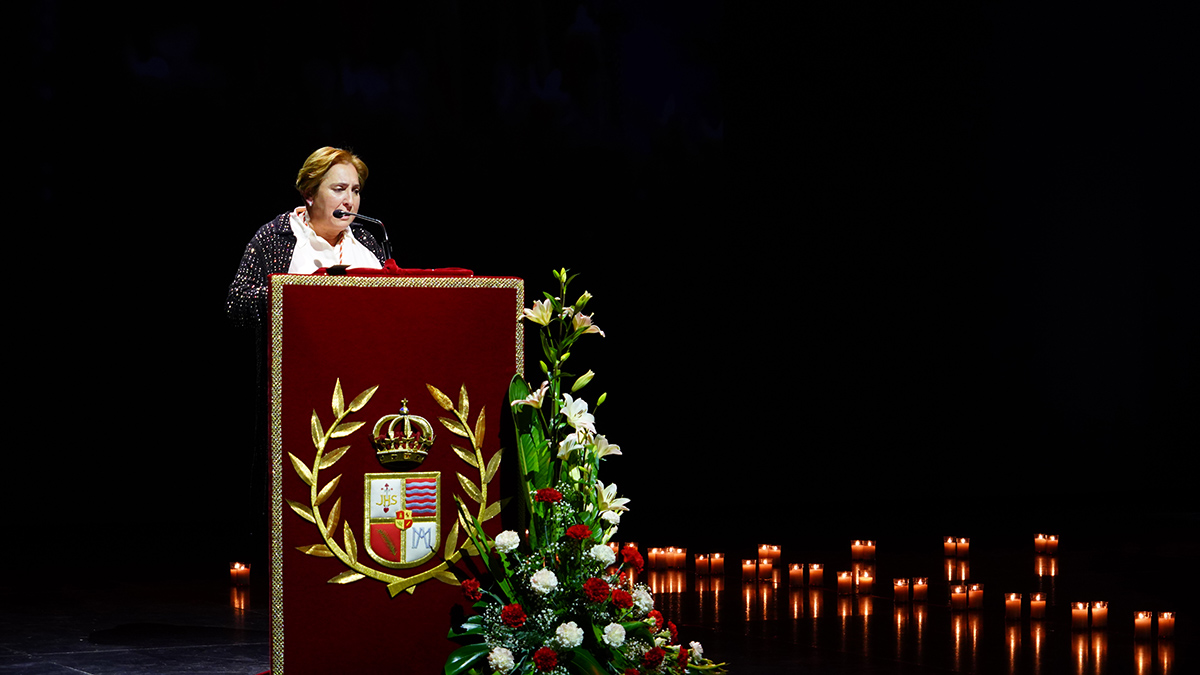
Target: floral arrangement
pixel 560 599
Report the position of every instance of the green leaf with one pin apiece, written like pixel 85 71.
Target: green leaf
pixel 464 658
pixel 580 660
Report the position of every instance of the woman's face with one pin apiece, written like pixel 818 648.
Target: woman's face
pixel 339 189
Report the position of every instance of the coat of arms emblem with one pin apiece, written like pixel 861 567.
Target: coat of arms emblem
pixel 401 517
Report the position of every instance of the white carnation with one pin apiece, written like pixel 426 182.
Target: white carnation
pixel 501 660
pixel 697 651
pixel 569 635
pixel 614 635
pixel 602 554
pixel 507 541
pixel 642 601
pixel 610 517
pixel 543 581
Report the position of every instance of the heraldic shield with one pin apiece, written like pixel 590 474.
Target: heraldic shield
pixel 401 517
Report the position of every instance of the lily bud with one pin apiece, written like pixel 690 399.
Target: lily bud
pixel 601 399
pixel 564 357
pixel 545 368
pixel 582 301
pixel 582 381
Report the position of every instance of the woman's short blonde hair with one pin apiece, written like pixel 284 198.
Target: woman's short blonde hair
pixel 319 163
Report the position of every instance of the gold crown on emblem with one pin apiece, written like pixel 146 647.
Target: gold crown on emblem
pixel 406 450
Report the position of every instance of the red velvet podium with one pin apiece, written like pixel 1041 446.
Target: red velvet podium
pixel 363 555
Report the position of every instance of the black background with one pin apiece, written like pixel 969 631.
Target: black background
pixel 879 268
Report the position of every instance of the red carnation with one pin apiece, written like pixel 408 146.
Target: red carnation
pixel 579 532
pixel 547 495
pixel 631 671
pixel 631 556
pixel 513 616
pixel 471 590
pixel 545 658
pixel 622 599
pixel 657 617
pixel 595 590
pixel 674 632
pixel 683 656
pixel 653 658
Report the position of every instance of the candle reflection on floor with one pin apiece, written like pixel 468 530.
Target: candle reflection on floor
pixel 1166 657
pixel 901 618
pixel 1099 655
pixel 1012 636
pixel 1143 658
pixel 1037 635
pixel 1079 652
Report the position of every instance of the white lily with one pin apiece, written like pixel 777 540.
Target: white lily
pixel 541 312
pixel 569 445
pixel 607 496
pixel 604 448
pixel 534 399
pixel 585 321
pixel 577 415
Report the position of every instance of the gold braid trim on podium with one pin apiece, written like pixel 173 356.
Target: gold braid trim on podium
pixel 460 427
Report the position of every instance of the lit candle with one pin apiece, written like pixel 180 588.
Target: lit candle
pixel 1079 615
pixel 1166 624
pixel 1039 543
pixel 963 548
pixel 975 596
pixel 796 575
pixel 702 566
pixel 716 563
pixel 749 570
pixel 768 552
pixel 920 589
pixel 856 549
pixel 1141 624
pixel 239 573
pixel 1037 606
pixel 869 549
pixel 1052 544
pixel 1012 605
pixel 845 583
pixel 949 544
pixel 865 582
pixel 958 597
pixel 654 558
pixel 765 569
pixel 900 588
pixel 816 574
pixel 1099 614
pixel 680 558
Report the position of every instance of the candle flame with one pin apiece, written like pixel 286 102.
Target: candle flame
pixel 1014 596
pixel 921 581
pixel 1100 604
pixel 1038 596
pixel 1079 605
pixel 1166 615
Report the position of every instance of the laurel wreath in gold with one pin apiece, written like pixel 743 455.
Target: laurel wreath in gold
pixel 347 552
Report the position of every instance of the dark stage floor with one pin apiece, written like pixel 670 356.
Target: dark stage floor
pixel 120 621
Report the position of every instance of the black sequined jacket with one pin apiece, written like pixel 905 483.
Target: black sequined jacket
pixel 270 252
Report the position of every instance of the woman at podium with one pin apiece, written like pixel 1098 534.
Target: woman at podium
pixel 309 237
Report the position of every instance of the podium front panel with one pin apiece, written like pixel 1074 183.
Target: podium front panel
pixel 391 609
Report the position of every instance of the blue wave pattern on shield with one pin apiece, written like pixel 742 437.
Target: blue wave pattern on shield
pixel 420 496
